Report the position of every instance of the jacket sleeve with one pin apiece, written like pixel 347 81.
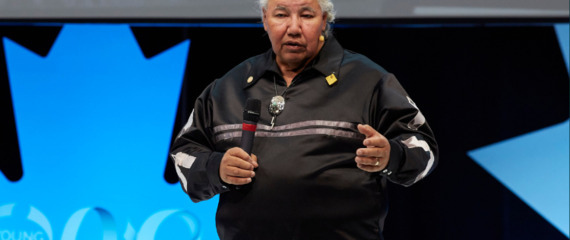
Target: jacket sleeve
pixel 195 161
pixel 414 152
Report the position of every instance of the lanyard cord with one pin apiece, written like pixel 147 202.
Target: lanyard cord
pixel 281 98
pixel 292 82
pixel 283 94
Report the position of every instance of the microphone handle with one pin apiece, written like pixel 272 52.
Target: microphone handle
pixel 247 135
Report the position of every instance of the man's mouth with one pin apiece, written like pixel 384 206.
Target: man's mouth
pixel 293 45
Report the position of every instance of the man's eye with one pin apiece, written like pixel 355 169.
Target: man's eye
pixel 307 16
pixel 280 15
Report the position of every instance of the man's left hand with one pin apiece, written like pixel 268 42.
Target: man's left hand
pixel 376 155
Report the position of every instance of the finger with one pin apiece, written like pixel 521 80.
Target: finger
pixel 371 152
pixel 369 161
pixel 238 172
pixel 366 130
pixel 239 163
pixel 240 153
pixel 376 141
pixel 237 180
pixel 368 168
pixel 254 160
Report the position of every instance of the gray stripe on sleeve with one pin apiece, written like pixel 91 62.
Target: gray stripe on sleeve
pixel 413 142
pixel 182 160
pixel 418 120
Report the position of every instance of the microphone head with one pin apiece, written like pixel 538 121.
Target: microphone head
pixel 252 110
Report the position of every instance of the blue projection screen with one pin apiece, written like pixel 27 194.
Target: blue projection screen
pixel 94 120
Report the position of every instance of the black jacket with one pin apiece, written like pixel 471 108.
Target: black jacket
pixel 307 185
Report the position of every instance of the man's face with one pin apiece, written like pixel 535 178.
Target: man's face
pixel 294 28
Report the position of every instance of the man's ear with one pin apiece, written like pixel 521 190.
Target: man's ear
pixel 325 15
pixel 264 19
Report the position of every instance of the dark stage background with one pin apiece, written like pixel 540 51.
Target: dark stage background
pixel 476 85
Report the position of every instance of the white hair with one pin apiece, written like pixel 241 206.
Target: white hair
pixel 326 7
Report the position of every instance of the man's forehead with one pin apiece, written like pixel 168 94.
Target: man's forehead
pixel 289 4
pixel 302 8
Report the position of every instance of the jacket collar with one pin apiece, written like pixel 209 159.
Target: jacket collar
pixel 327 62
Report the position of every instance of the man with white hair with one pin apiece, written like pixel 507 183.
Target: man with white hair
pixel 321 162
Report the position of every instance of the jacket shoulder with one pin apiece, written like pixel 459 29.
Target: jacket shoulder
pixel 362 64
pixel 237 76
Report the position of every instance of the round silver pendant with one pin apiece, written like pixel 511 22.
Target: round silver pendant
pixel 277 105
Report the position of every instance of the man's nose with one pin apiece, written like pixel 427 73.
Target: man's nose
pixel 294 26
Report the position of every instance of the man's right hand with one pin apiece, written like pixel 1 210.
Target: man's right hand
pixel 237 166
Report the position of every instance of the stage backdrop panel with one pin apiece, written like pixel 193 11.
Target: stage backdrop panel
pixel 89 112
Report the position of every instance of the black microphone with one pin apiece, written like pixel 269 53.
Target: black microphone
pixel 251 114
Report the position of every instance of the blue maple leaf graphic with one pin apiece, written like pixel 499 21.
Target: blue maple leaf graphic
pixel 94 121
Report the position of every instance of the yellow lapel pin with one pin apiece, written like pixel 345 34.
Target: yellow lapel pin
pixel 331 79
